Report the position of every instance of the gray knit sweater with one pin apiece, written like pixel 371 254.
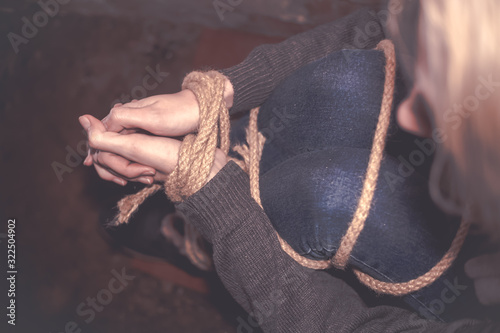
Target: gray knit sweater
pixel 279 294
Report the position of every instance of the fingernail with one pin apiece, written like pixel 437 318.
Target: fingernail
pixel 145 180
pixel 149 173
pixel 84 122
pixel 120 181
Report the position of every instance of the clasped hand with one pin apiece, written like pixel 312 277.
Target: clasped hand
pixel 121 152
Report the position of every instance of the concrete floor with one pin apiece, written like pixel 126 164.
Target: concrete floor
pixel 81 62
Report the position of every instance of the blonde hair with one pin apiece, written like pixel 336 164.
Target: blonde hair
pixel 459 57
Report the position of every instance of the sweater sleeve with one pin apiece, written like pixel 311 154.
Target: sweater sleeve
pixel 267 65
pixel 279 294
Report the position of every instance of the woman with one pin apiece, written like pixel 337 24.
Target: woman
pixel 280 294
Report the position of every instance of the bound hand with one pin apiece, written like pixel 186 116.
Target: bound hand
pixel 163 115
pixel 153 157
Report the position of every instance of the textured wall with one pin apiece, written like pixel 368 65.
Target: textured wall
pixel 270 17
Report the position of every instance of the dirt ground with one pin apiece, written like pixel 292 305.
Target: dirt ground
pixel 81 64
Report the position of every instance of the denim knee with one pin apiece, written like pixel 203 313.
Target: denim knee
pixel 332 102
pixel 311 199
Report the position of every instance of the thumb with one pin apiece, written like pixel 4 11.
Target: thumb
pixel 94 127
pixel 90 123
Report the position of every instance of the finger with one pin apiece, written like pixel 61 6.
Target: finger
pixel 88 158
pixel 145 180
pixel 123 166
pixel 128 117
pixel 159 153
pixel 106 175
pixel 87 161
pixel 93 127
pixel 117 105
pixel 112 175
pixel 487 265
pixel 488 290
pixel 95 131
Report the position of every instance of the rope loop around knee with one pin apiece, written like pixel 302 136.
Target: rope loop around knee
pixel 356 226
pixel 377 152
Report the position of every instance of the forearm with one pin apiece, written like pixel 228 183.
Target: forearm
pixel 267 65
pixel 281 294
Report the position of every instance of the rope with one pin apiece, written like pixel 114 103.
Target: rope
pixel 196 158
pixel 399 289
pixel 197 151
pixel 378 146
pixel 128 205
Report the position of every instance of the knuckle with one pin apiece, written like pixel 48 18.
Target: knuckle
pixel 120 169
pixel 114 113
pixel 118 164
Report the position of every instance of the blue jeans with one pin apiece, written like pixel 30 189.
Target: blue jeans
pixel 319 124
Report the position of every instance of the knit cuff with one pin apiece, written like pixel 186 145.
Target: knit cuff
pixel 251 81
pixel 223 203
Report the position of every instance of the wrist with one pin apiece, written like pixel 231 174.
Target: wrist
pixel 194 106
pixel 191 112
pixel 220 161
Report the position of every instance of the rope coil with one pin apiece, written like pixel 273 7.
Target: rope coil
pixel 196 158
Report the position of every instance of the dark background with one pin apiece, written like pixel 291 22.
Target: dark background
pixel 89 54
